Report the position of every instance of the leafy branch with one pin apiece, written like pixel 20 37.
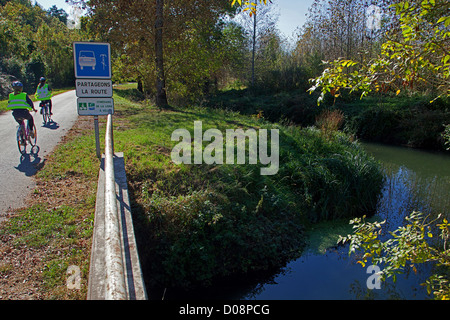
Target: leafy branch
pixel 250 5
pixel 407 246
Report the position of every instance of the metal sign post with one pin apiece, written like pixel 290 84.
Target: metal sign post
pixel 97 137
pixel 92 63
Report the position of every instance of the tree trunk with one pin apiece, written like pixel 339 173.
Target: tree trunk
pixel 161 97
pixel 254 48
pixel 140 85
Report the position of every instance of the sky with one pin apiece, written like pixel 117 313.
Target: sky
pixel 292 12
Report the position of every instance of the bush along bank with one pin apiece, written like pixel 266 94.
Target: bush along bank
pixel 198 223
pixel 412 121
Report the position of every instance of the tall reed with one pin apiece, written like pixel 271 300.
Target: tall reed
pixel 330 121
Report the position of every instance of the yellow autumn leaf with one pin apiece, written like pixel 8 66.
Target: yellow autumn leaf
pixel 398 91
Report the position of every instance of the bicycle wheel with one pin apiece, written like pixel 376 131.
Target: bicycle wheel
pixel 33 140
pixel 45 114
pixel 21 142
pixel 49 116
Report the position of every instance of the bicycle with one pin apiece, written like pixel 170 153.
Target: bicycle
pixel 24 138
pixel 46 116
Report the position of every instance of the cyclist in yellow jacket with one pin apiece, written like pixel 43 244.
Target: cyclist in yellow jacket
pixel 21 104
pixel 44 93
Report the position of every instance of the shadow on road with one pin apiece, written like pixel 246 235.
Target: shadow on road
pixel 52 125
pixel 30 164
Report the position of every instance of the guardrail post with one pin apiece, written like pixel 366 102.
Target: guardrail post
pixel 115 274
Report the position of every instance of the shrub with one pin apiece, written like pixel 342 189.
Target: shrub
pixel 330 121
pixel 446 136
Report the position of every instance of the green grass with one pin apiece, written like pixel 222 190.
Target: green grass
pixel 3 105
pixel 56 224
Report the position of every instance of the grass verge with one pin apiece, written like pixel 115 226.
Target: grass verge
pixel 39 243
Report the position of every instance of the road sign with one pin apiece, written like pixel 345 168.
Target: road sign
pixel 92 60
pixel 95 106
pixel 94 88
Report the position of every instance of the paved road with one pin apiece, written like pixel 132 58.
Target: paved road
pixel 16 172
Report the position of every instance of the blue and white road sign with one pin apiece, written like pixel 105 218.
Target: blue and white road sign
pixel 92 60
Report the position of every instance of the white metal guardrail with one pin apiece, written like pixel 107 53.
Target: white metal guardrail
pixel 115 271
pixel 115 274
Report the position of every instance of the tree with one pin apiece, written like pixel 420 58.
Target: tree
pixel 350 29
pixel 259 23
pixel 254 45
pixel 161 97
pixel 34 43
pixel 419 54
pixel 58 13
pixel 54 48
pixel 144 34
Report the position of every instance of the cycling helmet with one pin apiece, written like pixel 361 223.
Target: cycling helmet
pixel 42 79
pixel 17 84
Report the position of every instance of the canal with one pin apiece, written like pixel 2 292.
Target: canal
pixel 416 180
